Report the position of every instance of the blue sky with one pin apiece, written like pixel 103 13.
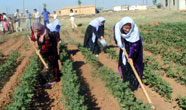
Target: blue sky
pixel 11 5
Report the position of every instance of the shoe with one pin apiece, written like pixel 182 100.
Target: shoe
pixel 97 55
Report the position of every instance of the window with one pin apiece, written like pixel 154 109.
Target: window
pixel 75 11
pixel 174 2
pixel 166 3
pixel 59 12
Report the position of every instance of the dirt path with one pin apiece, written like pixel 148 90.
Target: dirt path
pixel 48 98
pixel 7 91
pixel 101 98
pixel 12 44
pixel 23 46
pixel 178 89
pixel 157 100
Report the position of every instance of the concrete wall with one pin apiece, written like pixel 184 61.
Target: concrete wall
pixel 174 4
pixel 87 9
pixel 182 5
pixel 130 7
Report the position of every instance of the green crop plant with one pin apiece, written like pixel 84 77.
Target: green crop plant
pixel 23 94
pixel 73 99
pixel 182 102
pixel 120 90
pixel 9 65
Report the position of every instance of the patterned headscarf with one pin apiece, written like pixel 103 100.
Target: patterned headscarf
pixel 38 26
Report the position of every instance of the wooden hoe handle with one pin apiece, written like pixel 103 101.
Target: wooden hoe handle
pixel 139 80
pixel 37 52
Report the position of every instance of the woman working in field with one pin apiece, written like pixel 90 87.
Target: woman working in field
pixel 47 40
pixel 126 36
pixel 94 31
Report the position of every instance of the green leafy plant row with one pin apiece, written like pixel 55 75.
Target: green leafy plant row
pixel 182 102
pixel 116 86
pixel 3 39
pixel 178 58
pixel 154 81
pixel 170 34
pixel 72 97
pixel 112 53
pixel 25 91
pixel 166 39
pixel 179 73
pixel 9 65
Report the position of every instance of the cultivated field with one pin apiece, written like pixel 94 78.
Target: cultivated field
pixel 93 83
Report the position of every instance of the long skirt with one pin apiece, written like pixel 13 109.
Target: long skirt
pixel 88 42
pixel 52 61
pixel 127 73
pixel 5 25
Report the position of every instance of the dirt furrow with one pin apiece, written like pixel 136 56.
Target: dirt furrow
pixel 11 85
pixel 48 98
pixel 103 99
pixel 12 45
pixel 158 101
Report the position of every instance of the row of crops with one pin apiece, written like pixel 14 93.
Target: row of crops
pixel 168 40
pixel 72 95
pixel 120 90
pixel 23 94
pixel 73 98
pixel 172 50
pixel 149 77
pixel 7 67
pixel 153 79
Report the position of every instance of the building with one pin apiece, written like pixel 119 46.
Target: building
pixel 130 7
pixel 121 8
pixel 85 10
pixel 174 4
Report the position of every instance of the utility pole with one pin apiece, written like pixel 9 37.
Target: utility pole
pixel 6 10
pixel 95 3
pixel 147 2
pixel 23 7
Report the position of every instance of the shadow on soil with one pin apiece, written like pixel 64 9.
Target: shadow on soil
pixel 90 100
pixel 41 100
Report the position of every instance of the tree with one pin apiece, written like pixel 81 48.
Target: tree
pixel 154 2
pixel 44 5
pixel 159 5
pixel 79 2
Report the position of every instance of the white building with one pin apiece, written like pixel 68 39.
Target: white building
pixel 174 4
pixel 138 7
pixel 130 7
pixel 121 8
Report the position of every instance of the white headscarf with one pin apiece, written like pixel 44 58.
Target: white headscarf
pixel 132 36
pixel 96 23
pixel 52 26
